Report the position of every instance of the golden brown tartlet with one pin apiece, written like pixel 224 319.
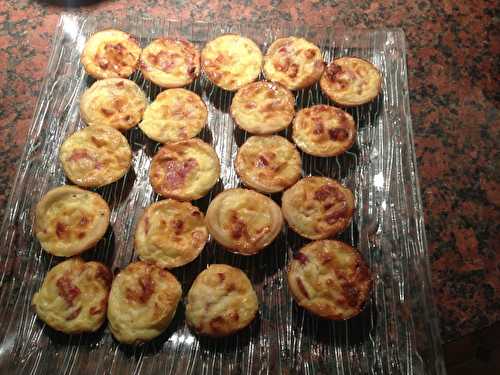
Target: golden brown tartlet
pixel 95 156
pixel 221 301
pixel 175 115
pixel 184 170
pixel 70 220
pixel 170 62
pixel 322 130
pixel 110 54
pixel 351 81
pixel 114 102
pixel 74 296
pixel 263 107
pixel 142 302
pixel 171 233
pixel 318 207
pixel 294 62
pixel 330 279
pixel 268 163
pixel 231 61
pixel 243 221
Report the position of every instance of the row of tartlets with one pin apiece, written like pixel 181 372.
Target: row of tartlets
pixel 260 108
pixel 327 277
pixel 231 61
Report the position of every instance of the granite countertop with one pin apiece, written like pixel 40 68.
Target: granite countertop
pixel 453 49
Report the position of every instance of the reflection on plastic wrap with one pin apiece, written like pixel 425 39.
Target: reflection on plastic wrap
pixel 396 333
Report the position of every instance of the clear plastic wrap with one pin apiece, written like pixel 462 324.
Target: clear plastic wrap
pixel 397 332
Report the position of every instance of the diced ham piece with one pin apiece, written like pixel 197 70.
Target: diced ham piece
pixel 176 172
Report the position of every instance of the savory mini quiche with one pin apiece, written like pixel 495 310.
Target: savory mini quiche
pixel 243 221
pixel 95 156
pixel 110 54
pixel 231 61
pixel 221 301
pixel 330 279
pixel 142 302
pixel 263 107
pixel 317 207
pixel 268 163
pixel 322 130
pixel 74 296
pixel 170 62
pixel 114 102
pixel 351 81
pixel 171 233
pixel 70 220
pixel 294 62
pixel 184 170
pixel 174 115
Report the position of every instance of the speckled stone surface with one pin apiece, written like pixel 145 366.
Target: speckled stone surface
pixel 453 64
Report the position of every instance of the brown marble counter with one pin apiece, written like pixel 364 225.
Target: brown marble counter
pixel 453 64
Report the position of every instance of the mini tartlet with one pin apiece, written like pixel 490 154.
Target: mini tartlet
pixel 184 170
pixel 114 102
pixel 142 302
pixel 170 233
pixel 70 220
pixel 268 163
pixel 243 221
pixel 221 301
pixel 175 115
pixel 110 54
pixel 263 107
pixel 74 296
pixel 318 207
pixel 323 130
pixel 95 156
pixel 351 81
pixel 170 62
pixel 231 61
pixel 294 62
pixel 330 279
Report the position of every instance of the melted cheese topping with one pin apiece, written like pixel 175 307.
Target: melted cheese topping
pixel 244 221
pixel 170 63
pixel 351 81
pixel 330 279
pixel 95 156
pixel 184 170
pixel 318 207
pixel 231 61
pixel 175 115
pixel 114 102
pixel 171 233
pixel 323 130
pixel 268 163
pixel 74 296
pixel 110 53
pixel 263 107
pixel 70 220
pixel 142 302
pixel 221 301
pixel 294 62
